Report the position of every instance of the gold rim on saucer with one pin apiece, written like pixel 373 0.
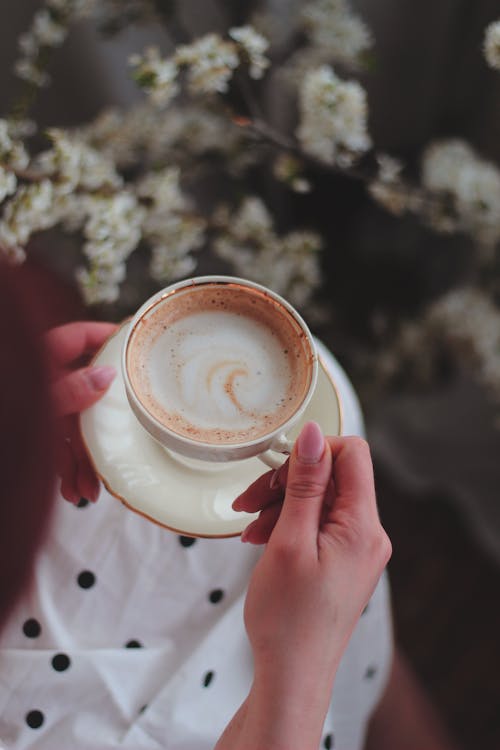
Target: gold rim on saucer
pixel 130 505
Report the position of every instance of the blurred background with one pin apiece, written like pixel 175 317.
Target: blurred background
pixel 432 416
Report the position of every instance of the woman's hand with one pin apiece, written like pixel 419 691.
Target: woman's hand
pixel 75 388
pixel 326 550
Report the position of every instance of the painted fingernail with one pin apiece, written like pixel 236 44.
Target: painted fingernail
pixel 310 444
pixel 236 504
pixel 101 377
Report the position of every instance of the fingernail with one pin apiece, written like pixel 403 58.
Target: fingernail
pixel 246 532
pixel 101 377
pixel 310 444
pixel 275 480
pixel 236 504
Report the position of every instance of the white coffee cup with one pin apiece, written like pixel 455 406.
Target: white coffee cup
pixel 218 368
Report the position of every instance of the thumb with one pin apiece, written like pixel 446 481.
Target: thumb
pixel 309 474
pixel 80 389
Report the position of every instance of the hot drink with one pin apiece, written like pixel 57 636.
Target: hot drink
pixel 219 363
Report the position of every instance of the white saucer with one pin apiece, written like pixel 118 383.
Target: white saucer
pixel 150 481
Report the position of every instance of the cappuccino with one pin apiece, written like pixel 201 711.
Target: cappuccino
pixel 219 363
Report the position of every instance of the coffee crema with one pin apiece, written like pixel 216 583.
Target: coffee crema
pixel 219 363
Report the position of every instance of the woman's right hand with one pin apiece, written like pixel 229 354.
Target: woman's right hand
pixel 75 388
pixel 326 550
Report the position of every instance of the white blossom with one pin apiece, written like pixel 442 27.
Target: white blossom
pixel 156 75
pixel 5 139
pixel 8 183
pixel 466 322
pixel 478 197
pixel 470 319
pixel 389 168
pixel 9 249
pixel 71 208
pixel 163 189
pixel 335 29
pixel 287 264
pixel 30 210
pixel 254 46
pixel 210 61
pixel 139 136
pixel 194 130
pixel 395 197
pixel 332 117
pixel 171 232
pixel 117 135
pixel 492 45
pixel 442 162
pixel 171 257
pixel 28 71
pixel 389 190
pixel 287 169
pixel 112 231
pixel 28 45
pixel 12 151
pixel 253 220
pixel 473 184
pixel 101 284
pixel 113 227
pixel 21 128
pixel 74 164
pixel 46 31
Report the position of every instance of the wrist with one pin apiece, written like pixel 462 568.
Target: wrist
pixel 286 708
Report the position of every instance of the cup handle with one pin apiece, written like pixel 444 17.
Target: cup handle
pixel 276 455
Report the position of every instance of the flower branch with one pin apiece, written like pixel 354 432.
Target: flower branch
pixel 128 180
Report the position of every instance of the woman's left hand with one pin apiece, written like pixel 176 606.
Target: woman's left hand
pixel 76 387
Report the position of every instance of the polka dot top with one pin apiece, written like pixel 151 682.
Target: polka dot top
pixel 132 637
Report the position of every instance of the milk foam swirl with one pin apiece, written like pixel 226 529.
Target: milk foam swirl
pixel 220 375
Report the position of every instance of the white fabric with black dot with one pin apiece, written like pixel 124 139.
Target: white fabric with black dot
pixel 133 637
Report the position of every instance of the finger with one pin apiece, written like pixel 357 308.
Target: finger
pixel 80 389
pixel 259 531
pixel 87 481
pixel 309 475
pixel 67 472
pixel 67 343
pixel 353 477
pixel 259 494
pixel 280 476
pixel 328 502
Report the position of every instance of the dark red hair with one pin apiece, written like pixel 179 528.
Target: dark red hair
pixel 27 425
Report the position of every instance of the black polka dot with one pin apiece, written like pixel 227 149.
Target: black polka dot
pixel 207 679
pixel 216 595
pixel 370 673
pixel 86 579
pixel 186 541
pixel 32 628
pixel 133 644
pixel 83 502
pixel 35 719
pixel 61 662
pixel 329 742
pixel 143 708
